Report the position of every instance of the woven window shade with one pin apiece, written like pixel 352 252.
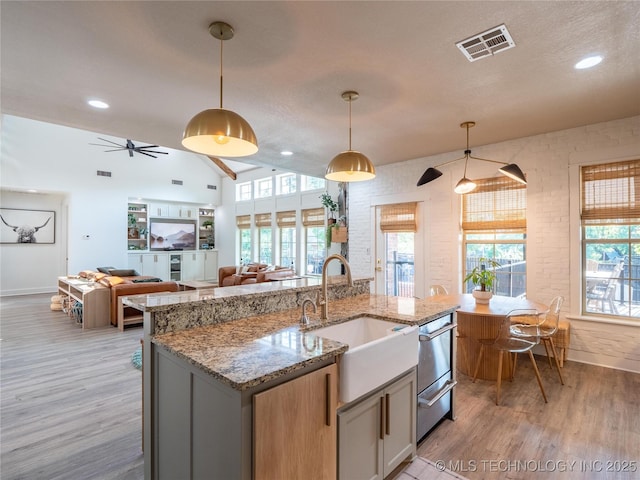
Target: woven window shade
pixel 243 221
pixel 611 193
pixel 495 204
pixel 399 217
pixel 262 219
pixel 313 217
pixel 286 219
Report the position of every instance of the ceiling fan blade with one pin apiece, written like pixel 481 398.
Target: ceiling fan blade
pixel 151 151
pixel 147 154
pixel 101 145
pixel 105 140
pixel 116 150
pixel 149 146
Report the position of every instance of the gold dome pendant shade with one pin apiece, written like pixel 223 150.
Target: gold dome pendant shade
pixel 350 165
pixel 217 131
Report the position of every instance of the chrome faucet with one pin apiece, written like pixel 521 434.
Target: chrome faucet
pixel 304 319
pixel 323 299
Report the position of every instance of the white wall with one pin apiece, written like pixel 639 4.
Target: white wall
pixel 60 161
pixel 553 226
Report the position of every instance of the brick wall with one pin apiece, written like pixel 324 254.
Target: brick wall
pixel 553 249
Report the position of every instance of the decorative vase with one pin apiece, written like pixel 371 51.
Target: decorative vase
pixel 482 297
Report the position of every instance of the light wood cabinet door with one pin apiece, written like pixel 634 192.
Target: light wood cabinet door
pixel 294 428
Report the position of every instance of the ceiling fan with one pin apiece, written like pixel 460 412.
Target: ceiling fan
pixel 144 149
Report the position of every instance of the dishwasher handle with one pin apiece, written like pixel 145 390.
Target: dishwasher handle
pixel 448 386
pixel 427 337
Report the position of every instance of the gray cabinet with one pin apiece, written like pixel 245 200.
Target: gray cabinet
pixel 202 428
pixel 379 432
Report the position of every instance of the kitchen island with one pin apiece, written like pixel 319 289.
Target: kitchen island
pixel 205 365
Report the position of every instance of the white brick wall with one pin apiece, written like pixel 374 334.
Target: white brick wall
pixel 553 258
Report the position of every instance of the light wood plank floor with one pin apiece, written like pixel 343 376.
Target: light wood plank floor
pixel 590 424
pixel 70 409
pixel 70 398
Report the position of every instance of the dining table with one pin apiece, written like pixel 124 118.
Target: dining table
pixel 476 321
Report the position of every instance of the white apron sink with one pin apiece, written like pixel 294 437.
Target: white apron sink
pixel 378 352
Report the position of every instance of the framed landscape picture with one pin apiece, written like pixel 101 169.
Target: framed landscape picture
pixel 27 226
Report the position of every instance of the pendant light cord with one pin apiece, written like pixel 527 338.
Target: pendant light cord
pixel 350 100
pixel 221 43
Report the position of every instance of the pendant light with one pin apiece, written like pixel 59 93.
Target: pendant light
pixel 465 185
pixel 217 131
pixel 350 165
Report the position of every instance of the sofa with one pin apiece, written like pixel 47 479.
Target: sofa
pixel 126 282
pixel 252 273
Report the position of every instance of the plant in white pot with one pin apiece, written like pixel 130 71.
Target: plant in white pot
pixel 483 279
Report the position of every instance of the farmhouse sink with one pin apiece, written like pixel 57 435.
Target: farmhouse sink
pixel 379 351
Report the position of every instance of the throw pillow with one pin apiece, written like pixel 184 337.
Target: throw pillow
pixel 85 273
pixel 105 269
pixel 114 272
pixel 111 281
pixel 270 268
pixel 245 269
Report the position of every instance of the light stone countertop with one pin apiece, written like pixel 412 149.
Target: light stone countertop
pixel 247 352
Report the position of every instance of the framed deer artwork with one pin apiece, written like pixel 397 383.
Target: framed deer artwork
pixel 27 226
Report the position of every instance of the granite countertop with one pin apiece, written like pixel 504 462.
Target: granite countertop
pixel 160 301
pixel 250 351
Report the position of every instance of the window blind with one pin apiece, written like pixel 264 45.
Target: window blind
pixel 286 219
pixel 313 217
pixel 496 203
pixel 243 221
pixel 262 219
pixel 610 193
pixel 399 217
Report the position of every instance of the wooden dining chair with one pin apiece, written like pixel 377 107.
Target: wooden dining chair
pixel 505 341
pixel 545 328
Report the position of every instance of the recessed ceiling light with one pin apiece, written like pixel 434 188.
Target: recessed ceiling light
pixel 98 104
pixel 588 62
pixel 286 153
pixel 31 190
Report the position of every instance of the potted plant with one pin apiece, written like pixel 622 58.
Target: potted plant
pixel 330 205
pixel 133 226
pixel 207 224
pixel 483 279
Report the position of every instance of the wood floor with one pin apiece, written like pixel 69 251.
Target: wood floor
pixel 590 425
pixel 70 409
pixel 70 399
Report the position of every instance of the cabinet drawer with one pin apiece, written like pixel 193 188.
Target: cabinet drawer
pixel 433 404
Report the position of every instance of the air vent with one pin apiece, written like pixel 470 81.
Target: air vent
pixel 485 44
pixel 176 182
pixel 102 173
pixel 212 187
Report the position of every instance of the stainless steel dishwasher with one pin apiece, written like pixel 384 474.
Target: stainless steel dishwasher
pixel 436 376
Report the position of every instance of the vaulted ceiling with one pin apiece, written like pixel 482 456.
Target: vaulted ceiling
pixel 156 64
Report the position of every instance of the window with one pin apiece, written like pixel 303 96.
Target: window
pixel 264 187
pixel 610 218
pixel 287 227
pixel 243 223
pixel 265 238
pixel 312 183
pixel 315 240
pixel 243 191
pixel 285 184
pixel 494 227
